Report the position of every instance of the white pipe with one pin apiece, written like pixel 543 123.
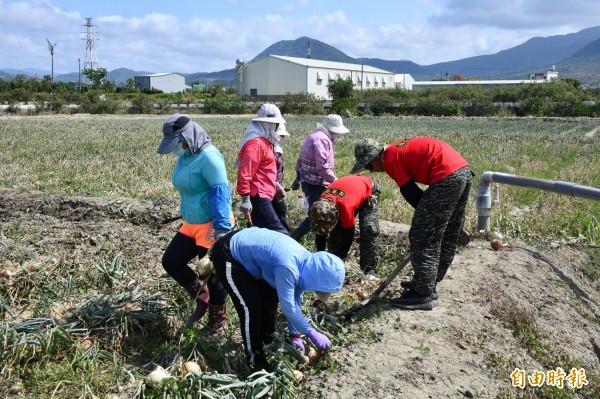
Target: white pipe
pixel 484 200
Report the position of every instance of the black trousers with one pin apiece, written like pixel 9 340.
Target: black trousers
pixel 255 301
pixel 178 254
pixel 264 215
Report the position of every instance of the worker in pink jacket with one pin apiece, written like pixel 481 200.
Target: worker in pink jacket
pixel 314 166
pixel 256 177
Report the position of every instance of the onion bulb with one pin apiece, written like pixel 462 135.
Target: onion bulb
pixel 157 376
pixel 192 367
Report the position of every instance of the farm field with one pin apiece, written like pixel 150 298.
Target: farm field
pixel 87 209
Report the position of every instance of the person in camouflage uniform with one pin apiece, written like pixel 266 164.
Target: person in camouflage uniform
pixel 333 217
pixel 439 210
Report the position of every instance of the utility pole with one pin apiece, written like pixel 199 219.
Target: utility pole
pixel 51 48
pixel 79 66
pixel 91 59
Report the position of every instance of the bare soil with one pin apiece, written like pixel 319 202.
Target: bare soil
pixel 465 347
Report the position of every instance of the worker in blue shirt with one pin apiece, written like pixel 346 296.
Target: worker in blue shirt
pixel 261 268
pixel 201 180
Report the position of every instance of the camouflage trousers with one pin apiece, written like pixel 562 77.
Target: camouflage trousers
pixel 435 228
pixel 340 239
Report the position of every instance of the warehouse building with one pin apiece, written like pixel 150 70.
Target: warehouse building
pixel 273 76
pixel 165 82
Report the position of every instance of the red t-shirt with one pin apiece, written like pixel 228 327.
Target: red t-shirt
pixel 349 193
pixel 424 159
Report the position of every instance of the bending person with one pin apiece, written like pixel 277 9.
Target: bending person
pixel 439 210
pixel 261 268
pixel 333 218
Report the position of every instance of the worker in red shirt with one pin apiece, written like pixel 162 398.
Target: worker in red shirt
pixel 333 216
pixel 439 210
pixel 257 171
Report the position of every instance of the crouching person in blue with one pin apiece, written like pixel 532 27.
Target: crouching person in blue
pixel 261 268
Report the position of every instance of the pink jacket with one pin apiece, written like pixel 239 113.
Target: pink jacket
pixel 257 170
pixel 315 163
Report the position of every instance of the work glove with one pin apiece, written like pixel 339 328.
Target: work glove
pixel 296 182
pixel 297 341
pixel 321 341
pixel 279 191
pixel 246 205
pixel 220 232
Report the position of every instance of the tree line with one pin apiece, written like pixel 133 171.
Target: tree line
pixel 559 97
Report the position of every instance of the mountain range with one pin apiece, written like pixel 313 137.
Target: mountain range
pixel 574 55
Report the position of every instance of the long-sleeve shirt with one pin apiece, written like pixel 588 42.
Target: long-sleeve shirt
pixel 315 163
pixel 424 159
pixel 256 172
pixel 289 268
pixel 203 188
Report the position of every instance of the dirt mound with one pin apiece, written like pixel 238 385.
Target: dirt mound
pixel 519 307
pixel 473 339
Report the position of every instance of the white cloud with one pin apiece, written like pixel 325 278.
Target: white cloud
pixel 422 31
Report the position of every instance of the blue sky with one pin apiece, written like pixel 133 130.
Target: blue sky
pixel 205 36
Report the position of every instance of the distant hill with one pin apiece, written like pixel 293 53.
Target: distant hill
pixel 535 55
pixel 583 65
pixel 575 55
pixel 299 48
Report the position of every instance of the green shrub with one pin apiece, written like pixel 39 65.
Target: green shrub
pixel 302 104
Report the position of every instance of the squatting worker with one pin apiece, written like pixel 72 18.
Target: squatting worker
pixel 260 268
pixel 439 210
pixel 257 170
pixel 205 205
pixel 333 218
pixel 314 166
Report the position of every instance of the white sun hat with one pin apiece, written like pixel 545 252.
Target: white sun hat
pixel 334 124
pixel 269 113
pixel 281 131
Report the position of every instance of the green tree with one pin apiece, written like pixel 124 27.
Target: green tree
pixel 340 88
pixel 95 75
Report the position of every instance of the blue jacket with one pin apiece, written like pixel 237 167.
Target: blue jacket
pixel 203 188
pixel 289 268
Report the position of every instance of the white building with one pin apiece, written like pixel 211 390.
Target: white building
pixel 404 81
pixel 165 82
pixel 275 75
pixel 533 79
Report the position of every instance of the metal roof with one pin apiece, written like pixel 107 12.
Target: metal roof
pixel 159 74
pixel 310 62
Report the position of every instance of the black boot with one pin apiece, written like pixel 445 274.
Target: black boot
pixel 407 285
pixel 412 300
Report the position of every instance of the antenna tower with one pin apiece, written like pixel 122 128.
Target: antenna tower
pixel 91 59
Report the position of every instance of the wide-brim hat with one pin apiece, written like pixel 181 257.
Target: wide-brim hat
pixel 323 216
pixel 281 130
pixel 269 113
pixel 364 152
pixel 334 124
pixel 171 128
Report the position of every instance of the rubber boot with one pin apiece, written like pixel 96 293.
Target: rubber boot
pixel 199 291
pixel 217 317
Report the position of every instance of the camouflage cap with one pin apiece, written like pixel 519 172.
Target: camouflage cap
pixel 364 152
pixel 323 215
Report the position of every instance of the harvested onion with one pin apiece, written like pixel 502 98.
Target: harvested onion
pixel 157 376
